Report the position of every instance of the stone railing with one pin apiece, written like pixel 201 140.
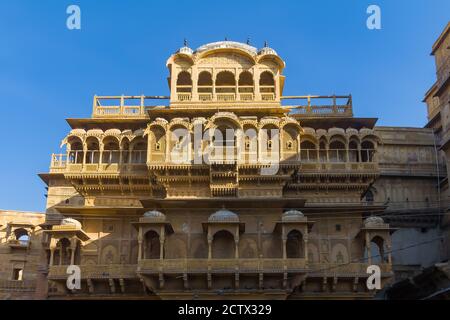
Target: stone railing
pixel 336 269
pixel 123 106
pixel 220 265
pixel 315 108
pixel 265 265
pixel 96 271
pixel 16 285
pixel 73 163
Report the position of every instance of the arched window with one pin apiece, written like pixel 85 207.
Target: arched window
pixel 369 197
pixel 184 82
pixel 93 150
pixel 337 151
pixel 225 82
pixel 294 245
pixel 308 151
pixel 76 153
pixel 62 253
pixel 111 150
pixel 353 151
pixel 152 245
pixel 266 82
pixel 367 151
pixel 245 82
pixel 22 236
pixel 139 153
pixel 223 246
pixel 204 83
pixel 377 251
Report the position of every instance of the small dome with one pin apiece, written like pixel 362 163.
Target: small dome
pixel 227 44
pixel 155 215
pixel 373 221
pixel 266 50
pixel 292 215
pixel 223 215
pixel 71 222
pixel 185 50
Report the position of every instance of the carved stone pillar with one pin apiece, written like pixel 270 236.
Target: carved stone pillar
pixel 369 254
pixel 305 240
pixel 84 153
pixel 52 255
pixel 73 248
pixel 100 160
pixel 140 244
pixel 256 85
pixel 194 78
pixel 209 246
pixel 162 239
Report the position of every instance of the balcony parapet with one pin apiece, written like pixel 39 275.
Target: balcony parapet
pixel 314 107
pixel 222 265
pixel 17 285
pixel 17 244
pixel 111 271
pixel 156 266
pixel 345 269
pixel 123 106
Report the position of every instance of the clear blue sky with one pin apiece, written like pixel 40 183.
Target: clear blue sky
pixel 48 73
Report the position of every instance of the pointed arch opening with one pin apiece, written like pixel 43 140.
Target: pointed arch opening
pixel 152 245
pixel 295 245
pixel 223 246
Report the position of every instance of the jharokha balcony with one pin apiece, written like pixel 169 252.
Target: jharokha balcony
pixel 126 161
pixel 180 266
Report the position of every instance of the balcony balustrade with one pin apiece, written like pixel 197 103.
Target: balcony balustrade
pixel 221 265
pixel 344 269
pixel 89 161
pixel 125 161
pixel 95 271
pixel 138 106
pixel 19 244
pixel 201 266
pixel 18 285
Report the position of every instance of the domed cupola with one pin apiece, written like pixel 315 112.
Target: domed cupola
pixel 266 50
pixel 292 215
pixel 374 221
pixel 223 215
pixel 155 215
pixel 71 222
pixel 185 49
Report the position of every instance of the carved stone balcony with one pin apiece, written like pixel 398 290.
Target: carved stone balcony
pixel 111 271
pixel 18 285
pixel 17 244
pixel 112 162
pixel 153 266
pixel 344 269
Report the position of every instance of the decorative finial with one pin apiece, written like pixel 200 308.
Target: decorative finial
pixel 265 44
pixel 185 42
pixel 248 40
pixel 226 38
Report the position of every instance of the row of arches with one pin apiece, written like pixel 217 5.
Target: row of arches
pixel 223 245
pixel 66 252
pixel 225 82
pixel 108 150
